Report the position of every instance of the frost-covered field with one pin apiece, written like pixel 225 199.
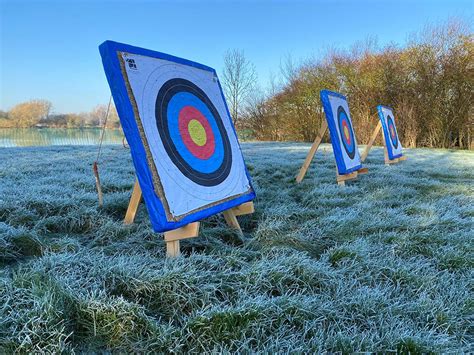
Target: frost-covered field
pixel 383 264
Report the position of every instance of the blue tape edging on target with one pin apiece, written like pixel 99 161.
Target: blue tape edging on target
pixel 386 132
pixel 108 51
pixel 336 146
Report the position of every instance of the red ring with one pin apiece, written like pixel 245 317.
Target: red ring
pixel 187 114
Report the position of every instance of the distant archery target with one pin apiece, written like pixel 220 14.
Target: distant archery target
pixel 346 132
pixel 392 142
pixel 392 132
pixel 192 132
pixel 341 131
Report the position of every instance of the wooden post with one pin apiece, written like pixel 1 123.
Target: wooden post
pixel 371 141
pixel 312 151
pixel 133 204
pixel 95 168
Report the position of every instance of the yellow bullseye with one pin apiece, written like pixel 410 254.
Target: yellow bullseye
pixel 346 132
pixel 197 132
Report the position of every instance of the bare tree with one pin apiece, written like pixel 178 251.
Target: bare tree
pixel 98 115
pixel 239 79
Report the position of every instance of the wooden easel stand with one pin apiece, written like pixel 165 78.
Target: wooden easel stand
pixel 385 151
pixel 190 230
pixel 341 179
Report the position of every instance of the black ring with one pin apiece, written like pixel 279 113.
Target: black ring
pixel 166 93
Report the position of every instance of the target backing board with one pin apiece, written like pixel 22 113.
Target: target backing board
pixel 182 140
pixel 343 139
pixel 394 147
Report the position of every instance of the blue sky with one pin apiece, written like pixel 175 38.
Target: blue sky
pixel 49 49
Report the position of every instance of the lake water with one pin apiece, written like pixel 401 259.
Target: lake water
pixel 24 137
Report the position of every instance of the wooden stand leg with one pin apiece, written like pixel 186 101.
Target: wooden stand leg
pixel 371 141
pixel 173 237
pixel 385 155
pixel 173 249
pixel 231 220
pixel 231 214
pixel 190 230
pixel 312 151
pixel 133 204
pixel 339 180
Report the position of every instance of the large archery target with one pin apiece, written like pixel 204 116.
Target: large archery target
pixel 392 142
pixel 188 131
pixel 341 130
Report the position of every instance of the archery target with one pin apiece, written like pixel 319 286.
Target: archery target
pixel 341 130
pixel 346 132
pixel 189 133
pixel 394 147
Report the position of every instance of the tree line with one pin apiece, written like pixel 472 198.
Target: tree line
pixel 38 113
pixel 429 82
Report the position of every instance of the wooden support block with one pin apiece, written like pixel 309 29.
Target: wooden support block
pixel 345 177
pixel 231 220
pixel 363 171
pixel 190 230
pixel 133 204
pixel 173 237
pixel 312 151
pixel 245 208
pixel 371 141
pixel 396 160
pixel 393 161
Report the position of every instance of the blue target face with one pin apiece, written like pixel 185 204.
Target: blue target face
pixel 392 132
pixel 193 133
pixel 346 132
